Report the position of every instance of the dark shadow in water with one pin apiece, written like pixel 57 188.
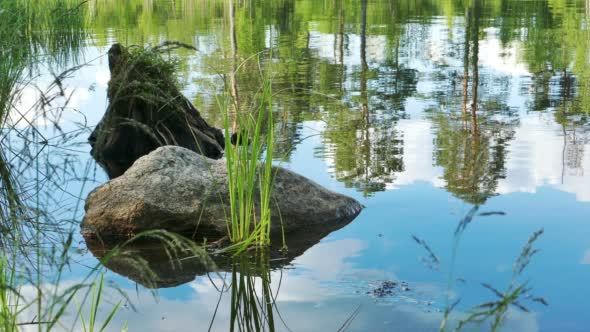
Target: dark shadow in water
pixel 184 267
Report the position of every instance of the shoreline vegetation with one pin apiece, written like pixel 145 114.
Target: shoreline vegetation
pixel 38 37
pixel 249 224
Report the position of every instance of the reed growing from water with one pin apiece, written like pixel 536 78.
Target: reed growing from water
pixel 249 170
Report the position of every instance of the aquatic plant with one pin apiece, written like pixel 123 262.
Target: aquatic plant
pixel 54 300
pixel 32 32
pixel 51 300
pixel 249 219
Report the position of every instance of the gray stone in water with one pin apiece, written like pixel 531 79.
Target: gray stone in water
pixel 176 189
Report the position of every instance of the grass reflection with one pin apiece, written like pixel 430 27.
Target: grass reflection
pixel 252 306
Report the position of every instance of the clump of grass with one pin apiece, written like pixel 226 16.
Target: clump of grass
pixel 32 33
pixel 144 91
pixel 250 179
pixel 8 297
pixel 51 302
pixel 142 74
pixel 54 302
pixel 12 209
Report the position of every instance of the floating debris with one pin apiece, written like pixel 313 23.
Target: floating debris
pixel 387 288
pixel 391 292
pixel 384 289
pixel 492 213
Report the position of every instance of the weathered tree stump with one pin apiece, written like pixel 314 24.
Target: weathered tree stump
pixel 147 110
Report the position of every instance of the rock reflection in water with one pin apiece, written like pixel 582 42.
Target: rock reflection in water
pixel 164 271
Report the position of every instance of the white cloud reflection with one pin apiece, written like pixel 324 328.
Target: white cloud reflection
pixel 317 296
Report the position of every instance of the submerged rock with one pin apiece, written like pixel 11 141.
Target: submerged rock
pixel 146 110
pixel 175 189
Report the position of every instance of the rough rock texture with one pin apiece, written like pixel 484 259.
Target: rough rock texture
pixel 147 110
pixel 175 189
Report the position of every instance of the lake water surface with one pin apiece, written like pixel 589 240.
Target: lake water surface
pixel 425 111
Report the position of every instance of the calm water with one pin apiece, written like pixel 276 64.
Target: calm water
pixel 419 109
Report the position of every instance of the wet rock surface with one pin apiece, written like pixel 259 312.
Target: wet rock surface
pixel 175 189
